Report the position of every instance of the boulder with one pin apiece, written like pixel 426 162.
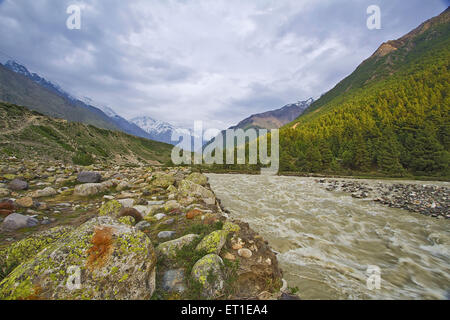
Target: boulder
pixel 91 189
pixel 169 248
pixel 197 178
pixel 18 185
pixel 213 242
pixel 191 189
pixel 27 248
pixel 208 271
pixel 166 234
pixel 47 192
pixel 89 177
pixel 17 221
pixel 163 180
pixel 26 202
pixel 116 262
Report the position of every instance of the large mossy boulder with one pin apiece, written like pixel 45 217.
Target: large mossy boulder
pixel 213 242
pixel 190 189
pixel 27 248
pixel 116 262
pixel 110 209
pixel 208 272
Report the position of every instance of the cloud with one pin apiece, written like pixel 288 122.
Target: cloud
pixel 217 61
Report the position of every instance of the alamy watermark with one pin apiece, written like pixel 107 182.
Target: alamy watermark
pixel 73 22
pixel 230 147
pixel 374 19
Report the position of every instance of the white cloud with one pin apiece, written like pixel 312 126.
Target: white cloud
pixel 217 61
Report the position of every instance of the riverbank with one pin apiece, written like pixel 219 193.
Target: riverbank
pixel 147 232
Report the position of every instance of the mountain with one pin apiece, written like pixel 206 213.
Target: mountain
pixel 31 135
pixel 276 118
pixel 20 88
pixel 157 130
pixel 390 116
pixel 68 108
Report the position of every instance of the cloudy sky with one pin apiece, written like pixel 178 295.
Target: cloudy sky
pixel 213 60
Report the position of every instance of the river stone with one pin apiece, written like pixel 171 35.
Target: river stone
pixel 210 264
pixel 117 262
pixel 89 177
pixel 159 216
pixel 245 253
pixel 163 180
pixel 173 281
pixel 197 178
pixel 47 192
pixel 170 205
pixel 127 203
pixel 17 221
pixel 4 192
pixel 18 185
pixel 26 202
pixel 169 248
pixel 166 234
pixel 90 189
pixel 213 242
pixel 143 226
pixel 191 189
pixel 27 248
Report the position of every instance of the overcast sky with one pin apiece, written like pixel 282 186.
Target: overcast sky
pixel 213 60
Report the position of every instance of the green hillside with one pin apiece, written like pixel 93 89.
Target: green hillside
pixel 390 116
pixel 30 134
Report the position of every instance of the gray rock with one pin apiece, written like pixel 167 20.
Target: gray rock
pixel 17 185
pixel 89 177
pixel 143 225
pixel 17 221
pixel 173 281
pixel 166 234
pixel 47 192
pixel 209 264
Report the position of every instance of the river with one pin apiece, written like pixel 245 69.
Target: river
pixel 326 241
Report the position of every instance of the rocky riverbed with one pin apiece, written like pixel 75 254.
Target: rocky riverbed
pixel 124 232
pixel 428 199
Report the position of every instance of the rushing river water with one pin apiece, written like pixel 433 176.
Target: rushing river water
pixel 327 240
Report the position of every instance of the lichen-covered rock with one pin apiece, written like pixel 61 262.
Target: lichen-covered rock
pixel 208 271
pixel 116 262
pixel 110 208
pixel 127 220
pixel 4 192
pixel 197 178
pixel 25 249
pixel 163 180
pixel 169 248
pixel 231 227
pixel 25 202
pixel 170 205
pixel 213 242
pixel 191 189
